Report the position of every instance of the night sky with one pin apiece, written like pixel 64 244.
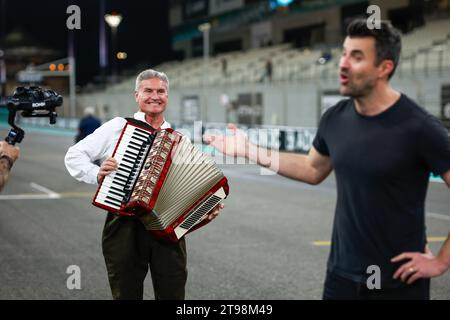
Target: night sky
pixel 143 33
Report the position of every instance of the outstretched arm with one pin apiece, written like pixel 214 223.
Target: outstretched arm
pixel 312 168
pixel 446 177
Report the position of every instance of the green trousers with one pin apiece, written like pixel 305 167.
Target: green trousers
pixel 130 250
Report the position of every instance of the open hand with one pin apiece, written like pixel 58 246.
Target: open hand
pixel 236 145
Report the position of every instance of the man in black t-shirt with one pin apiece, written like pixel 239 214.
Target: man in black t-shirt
pixel 382 147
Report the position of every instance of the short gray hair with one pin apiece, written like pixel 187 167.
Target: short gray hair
pixel 149 74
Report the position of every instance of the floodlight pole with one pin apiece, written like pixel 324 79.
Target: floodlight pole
pixel 72 76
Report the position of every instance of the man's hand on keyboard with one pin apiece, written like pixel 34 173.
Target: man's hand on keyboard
pixel 107 167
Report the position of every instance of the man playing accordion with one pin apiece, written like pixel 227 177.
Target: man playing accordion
pixel 128 248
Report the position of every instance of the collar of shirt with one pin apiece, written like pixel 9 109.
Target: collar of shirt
pixel 141 117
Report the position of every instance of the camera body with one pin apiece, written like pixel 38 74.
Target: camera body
pixel 33 102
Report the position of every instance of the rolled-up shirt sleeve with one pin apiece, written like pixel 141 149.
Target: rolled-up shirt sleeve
pixel 80 158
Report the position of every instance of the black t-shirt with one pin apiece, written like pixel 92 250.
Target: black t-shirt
pixel 382 166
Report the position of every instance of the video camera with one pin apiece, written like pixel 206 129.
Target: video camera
pixel 33 102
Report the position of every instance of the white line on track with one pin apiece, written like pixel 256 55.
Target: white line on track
pixel 50 193
pixel 438 216
pixel 26 197
pixel 47 194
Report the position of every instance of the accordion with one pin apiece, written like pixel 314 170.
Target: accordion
pixel 163 180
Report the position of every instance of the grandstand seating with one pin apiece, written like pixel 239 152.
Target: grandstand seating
pixel 425 49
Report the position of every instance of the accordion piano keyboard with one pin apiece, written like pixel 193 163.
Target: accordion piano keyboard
pixel 134 143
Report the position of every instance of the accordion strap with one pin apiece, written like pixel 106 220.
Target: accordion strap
pixel 140 123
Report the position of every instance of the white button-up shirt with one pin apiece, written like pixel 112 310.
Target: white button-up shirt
pixel 99 145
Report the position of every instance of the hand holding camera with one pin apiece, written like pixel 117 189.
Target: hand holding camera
pixel 9 152
pixel 33 102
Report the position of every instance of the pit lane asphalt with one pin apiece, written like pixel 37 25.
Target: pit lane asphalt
pixel 270 241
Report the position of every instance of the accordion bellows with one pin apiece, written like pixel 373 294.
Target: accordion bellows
pixel 162 179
